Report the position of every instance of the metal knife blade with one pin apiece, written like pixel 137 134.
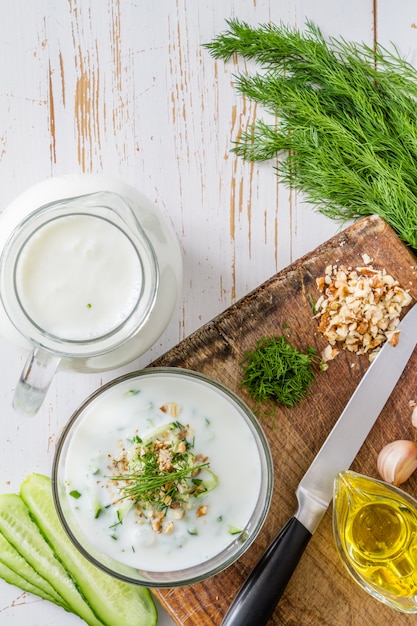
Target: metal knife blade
pixel 256 600
pixel 315 491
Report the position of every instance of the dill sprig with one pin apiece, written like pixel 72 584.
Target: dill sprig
pixel 162 490
pixel 277 371
pixel 346 125
pixel 163 472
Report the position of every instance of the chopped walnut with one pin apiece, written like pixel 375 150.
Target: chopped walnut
pixel 164 459
pixel 359 308
pixel 168 528
pixel 172 408
pixel 181 447
pixel 329 353
pixel 393 337
pixel 202 510
pixel 156 521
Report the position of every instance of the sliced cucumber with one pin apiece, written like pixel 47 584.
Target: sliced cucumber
pixel 14 569
pixel 12 578
pixel 113 600
pixel 24 535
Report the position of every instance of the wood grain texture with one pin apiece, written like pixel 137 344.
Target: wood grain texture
pixel 282 305
pixel 124 87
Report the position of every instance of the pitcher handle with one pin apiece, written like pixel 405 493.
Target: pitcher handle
pixel 35 380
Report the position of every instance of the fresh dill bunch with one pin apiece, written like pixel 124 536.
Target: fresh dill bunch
pixel 276 370
pixel 346 128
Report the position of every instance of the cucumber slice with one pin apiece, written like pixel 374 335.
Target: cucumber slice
pixel 113 600
pixel 24 535
pixel 9 576
pixel 13 567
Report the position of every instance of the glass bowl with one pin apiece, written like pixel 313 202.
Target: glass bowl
pixel 187 527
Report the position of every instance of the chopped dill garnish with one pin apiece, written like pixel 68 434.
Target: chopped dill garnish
pixel 312 302
pixel 164 473
pixel 161 490
pixel 98 512
pixel 132 392
pixel 277 371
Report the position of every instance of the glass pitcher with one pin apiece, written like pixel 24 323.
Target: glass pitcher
pixel 89 278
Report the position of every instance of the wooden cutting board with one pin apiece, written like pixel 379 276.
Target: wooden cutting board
pixel 321 592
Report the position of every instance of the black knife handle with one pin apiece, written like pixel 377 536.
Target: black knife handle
pixel 259 595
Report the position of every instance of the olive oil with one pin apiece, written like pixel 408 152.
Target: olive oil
pixel 375 526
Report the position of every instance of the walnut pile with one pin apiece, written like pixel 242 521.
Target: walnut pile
pixel 358 309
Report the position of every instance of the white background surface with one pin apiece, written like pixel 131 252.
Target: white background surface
pixel 125 87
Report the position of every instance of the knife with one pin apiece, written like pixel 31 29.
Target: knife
pixel 259 595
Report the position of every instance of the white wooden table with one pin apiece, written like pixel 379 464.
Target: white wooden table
pixel 125 87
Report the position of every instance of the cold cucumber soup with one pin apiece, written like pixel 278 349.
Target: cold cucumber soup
pixel 163 471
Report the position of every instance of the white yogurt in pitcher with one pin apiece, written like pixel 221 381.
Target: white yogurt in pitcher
pixel 89 270
pixel 101 441
pixel 70 285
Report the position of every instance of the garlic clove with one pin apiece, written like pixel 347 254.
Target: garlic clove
pixel 397 461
